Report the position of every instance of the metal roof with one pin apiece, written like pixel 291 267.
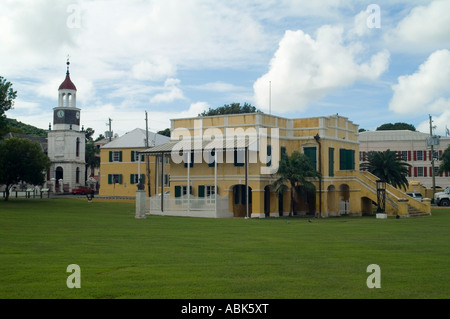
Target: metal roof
pixel 136 139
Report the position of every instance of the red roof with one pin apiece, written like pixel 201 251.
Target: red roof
pixel 67 84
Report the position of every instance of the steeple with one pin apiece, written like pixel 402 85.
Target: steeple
pixel 67 84
pixel 66 114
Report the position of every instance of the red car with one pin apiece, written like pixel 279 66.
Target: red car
pixel 82 190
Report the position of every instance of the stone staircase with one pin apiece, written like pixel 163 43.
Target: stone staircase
pixel 414 212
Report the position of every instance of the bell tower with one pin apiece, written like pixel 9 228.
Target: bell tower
pixel 66 115
pixel 66 143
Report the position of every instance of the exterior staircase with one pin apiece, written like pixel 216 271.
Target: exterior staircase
pixel 414 212
pixel 397 202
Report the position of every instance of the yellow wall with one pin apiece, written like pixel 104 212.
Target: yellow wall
pixel 343 184
pixel 341 137
pixel 125 168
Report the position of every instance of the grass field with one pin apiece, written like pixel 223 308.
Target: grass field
pixel 192 258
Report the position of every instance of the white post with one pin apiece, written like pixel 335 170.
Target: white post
pixel 246 182
pixel 215 180
pixel 189 180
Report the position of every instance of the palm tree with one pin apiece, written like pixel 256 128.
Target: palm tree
pixel 445 158
pixel 294 170
pixel 389 167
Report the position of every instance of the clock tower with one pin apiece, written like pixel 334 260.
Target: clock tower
pixel 66 142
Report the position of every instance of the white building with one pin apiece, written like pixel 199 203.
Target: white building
pixel 66 142
pixel 412 147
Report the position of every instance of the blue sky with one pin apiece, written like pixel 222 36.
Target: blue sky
pixel 177 58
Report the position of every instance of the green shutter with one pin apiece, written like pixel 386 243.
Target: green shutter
pixel 132 156
pixel 177 191
pixel 311 153
pixel 110 156
pixel 109 177
pixel 120 156
pixel 132 179
pixel 331 161
pixel 143 178
pixel 342 159
pixel 347 159
pixel 120 179
pixel 269 155
pixel 201 190
pixel 352 159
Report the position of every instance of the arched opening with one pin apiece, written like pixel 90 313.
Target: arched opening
pixel 59 175
pixel 62 97
pixel 69 100
pixel 267 201
pixel 331 199
pixel 77 147
pixel 366 206
pixel 304 201
pixel 280 204
pixel 344 199
pixel 240 201
pixel 77 175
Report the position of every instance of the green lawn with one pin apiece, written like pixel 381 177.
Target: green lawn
pixel 171 257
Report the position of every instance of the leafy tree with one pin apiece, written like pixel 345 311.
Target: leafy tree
pixel 91 155
pixel 7 96
pixel 445 158
pixel 22 128
pixel 234 108
pixel 99 138
pixel 295 170
pixel 165 132
pixel 21 160
pixel 396 126
pixel 89 132
pixel 388 166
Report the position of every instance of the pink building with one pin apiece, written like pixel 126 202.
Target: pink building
pixel 412 147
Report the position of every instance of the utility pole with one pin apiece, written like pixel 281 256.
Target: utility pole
pixel 432 157
pixel 109 132
pixel 147 160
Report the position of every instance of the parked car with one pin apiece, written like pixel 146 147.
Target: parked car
pixel 417 196
pixel 82 191
pixel 442 198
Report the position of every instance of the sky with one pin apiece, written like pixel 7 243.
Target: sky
pixel 372 62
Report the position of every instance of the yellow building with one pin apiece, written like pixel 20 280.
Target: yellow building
pixel 233 159
pixel 121 165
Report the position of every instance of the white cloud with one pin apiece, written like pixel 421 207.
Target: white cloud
pixel 424 28
pixel 171 92
pixel 157 69
pixel 218 87
pixel 426 90
pixel 304 69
